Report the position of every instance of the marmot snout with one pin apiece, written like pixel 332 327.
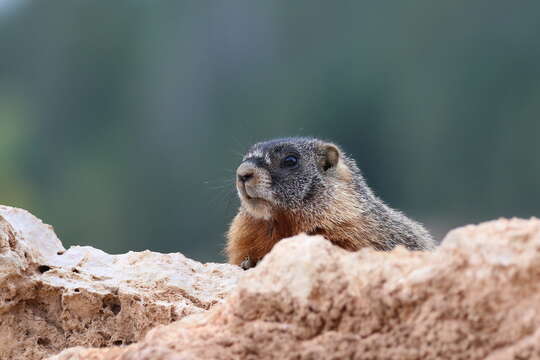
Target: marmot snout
pixel 294 185
pixel 254 185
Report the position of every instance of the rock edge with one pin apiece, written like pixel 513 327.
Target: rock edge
pixel 53 298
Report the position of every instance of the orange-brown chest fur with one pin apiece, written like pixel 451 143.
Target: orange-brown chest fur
pixel 254 238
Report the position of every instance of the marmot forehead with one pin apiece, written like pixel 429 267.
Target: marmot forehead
pixel 262 149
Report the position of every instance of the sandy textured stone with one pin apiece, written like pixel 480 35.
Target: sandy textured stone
pixel 52 298
pixel 477 296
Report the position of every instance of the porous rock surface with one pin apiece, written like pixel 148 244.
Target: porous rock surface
pixel 52 298
pixel 477 296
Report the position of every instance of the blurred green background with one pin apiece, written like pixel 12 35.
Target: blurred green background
pixel 121 122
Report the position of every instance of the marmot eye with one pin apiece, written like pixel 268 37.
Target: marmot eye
pixel 290 161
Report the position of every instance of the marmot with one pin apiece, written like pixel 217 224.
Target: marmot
pixel 295 185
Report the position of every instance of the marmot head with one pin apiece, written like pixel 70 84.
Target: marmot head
pixel 287 174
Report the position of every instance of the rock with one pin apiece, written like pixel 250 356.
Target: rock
pixel 52 298
pixel 475 297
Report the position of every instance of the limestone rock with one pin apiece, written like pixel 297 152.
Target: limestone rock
pixel 52 298
pixel 477 296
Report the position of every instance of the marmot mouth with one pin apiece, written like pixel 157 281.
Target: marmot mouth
pixel 253 198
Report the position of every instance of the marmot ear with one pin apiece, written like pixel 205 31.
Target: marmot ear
pixel 329 156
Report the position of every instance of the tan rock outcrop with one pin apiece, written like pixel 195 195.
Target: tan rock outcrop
pixel 477 296
pixel 52 298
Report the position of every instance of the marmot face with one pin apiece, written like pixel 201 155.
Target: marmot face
pixel 284 174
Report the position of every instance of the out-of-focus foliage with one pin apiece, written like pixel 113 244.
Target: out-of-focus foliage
pixel 121 122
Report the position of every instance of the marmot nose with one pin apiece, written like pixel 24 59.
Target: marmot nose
pixel 245 177
pixel 245 172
